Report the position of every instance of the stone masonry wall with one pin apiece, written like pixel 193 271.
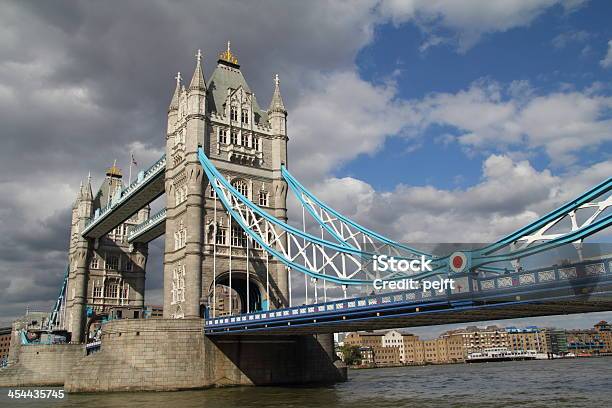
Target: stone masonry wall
pixel 41 365
pixel 168 354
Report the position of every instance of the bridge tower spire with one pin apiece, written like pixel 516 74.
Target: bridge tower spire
pixel 187 130
pixel 79 255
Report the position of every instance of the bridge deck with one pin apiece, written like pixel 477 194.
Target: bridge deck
pixel 581 294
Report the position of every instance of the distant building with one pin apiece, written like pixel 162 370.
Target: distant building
pixel 528 338
pixel 366 355
pixel 394 348
pixel 597 340
pixel 385 347
pixel 556 339
pixel 153 312
pixel 5 342
pixel 476 339
pixel 222 307
pixel 386 356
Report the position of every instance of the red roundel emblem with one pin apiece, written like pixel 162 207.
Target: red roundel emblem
pixel 458 261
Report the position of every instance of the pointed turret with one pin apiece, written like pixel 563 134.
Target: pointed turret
pixel 277 105
pixel 177 93
pixel 80 194
pixel 197 81
pixel 86 193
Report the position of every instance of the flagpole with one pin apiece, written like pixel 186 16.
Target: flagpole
pixel 130 176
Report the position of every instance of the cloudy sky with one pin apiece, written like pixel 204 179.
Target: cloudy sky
pixel 429 120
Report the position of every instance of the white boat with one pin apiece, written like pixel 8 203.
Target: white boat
pixel 501 354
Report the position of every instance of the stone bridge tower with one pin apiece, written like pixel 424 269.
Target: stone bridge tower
pixel 107 272
pixel 248 145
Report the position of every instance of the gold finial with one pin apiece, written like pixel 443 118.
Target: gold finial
pixel 228 56
pixel 114 171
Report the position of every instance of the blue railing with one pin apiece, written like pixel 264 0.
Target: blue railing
pixel 147 225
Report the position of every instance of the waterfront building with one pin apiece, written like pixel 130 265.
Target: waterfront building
pixel 528 338
pixel 556 339
pixel 366 355
pixel 385 347
pixel 477 339
pixel 5 342
pixel 597 340
pixel 605 333
pixel 386 356
pixel 394 339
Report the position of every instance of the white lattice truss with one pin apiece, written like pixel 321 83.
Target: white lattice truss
pixel 543 234
pixel 316 257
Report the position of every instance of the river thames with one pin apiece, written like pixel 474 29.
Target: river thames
pixel 559 383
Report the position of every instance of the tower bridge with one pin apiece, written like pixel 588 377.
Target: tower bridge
pixel 243 287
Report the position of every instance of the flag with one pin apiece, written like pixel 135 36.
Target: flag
pixel 134 160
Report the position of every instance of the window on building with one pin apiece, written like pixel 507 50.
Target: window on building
pixel 241 186
pixel 263 198
pixel 97 291
pixel 111 289
pixel 95 262
pixel 221 236
pixel 178 284
pixel 234 113
pixel 238 236
pixel 223 136
pixel 255 143
pixel 212 193
pixel 112 262
pixel 245 116
pixel 180 237
pixel 234 138
pixel 180 194
pixel 129 265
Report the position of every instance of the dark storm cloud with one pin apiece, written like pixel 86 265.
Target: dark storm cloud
pixel 81 81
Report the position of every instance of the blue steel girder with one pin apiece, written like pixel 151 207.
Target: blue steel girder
pixel 345 230
pixel 148 186
pixel 299 250
pixel 279 238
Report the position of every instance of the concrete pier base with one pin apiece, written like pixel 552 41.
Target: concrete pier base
pixel 169 354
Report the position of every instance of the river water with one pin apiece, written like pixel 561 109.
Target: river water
pixel 559 383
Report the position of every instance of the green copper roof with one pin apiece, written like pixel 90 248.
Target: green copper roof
pixel 229 76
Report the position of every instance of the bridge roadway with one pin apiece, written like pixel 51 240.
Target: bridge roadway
pixel 148 186
pixel 579 288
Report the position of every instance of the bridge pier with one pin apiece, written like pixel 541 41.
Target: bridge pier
pixel 174 354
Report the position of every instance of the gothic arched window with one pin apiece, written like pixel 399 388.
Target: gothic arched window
pixel 241 186
pixel 234 113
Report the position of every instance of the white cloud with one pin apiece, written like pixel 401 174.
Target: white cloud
pixel 564 39
pixel 468 20
pixel 607 61
pixel 489 116
pixel 510 195
pixel 340 117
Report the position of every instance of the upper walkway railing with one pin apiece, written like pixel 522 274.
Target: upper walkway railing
pixel 147 225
